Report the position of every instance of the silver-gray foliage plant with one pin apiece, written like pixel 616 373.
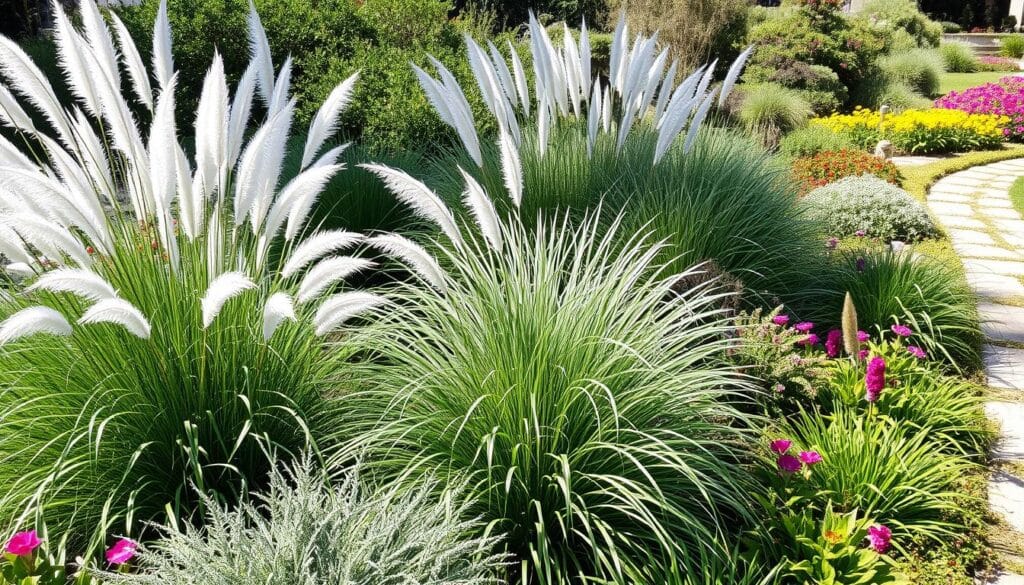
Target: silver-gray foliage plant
pixel 880 209
pixel 302 532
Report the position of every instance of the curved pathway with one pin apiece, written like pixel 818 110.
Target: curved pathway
pixel 988 233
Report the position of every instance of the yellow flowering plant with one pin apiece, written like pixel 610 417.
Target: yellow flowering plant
pixel 919 131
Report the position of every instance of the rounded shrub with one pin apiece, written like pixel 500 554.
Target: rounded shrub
pixel 919 69
pixel 869 206
pixel 770 110
pixel 579 396
pixel 812 140
pixel 1012 46
pixel 959 57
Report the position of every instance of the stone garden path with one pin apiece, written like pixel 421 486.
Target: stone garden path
pixel 974 206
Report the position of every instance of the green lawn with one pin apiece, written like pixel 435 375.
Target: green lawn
pixel 961 81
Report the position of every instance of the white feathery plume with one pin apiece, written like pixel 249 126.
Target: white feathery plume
pixel 520 78
pixel 282 88
pixel 211 131
pixel 133 63
pixel 77 281
pixel 12 114
pixel 190 210
pixel 733 74
pixel 91 149
pixel 32 321
pixel 70 50
pixel 606 110
pixel 119 312
pixel 221 290
pixel 331 156
pixel 272 161
pixel 297 198
pixel 709 75
pixel 343 306
pixel 163 61
pixel 48 237
pixel 326 121
pixel 20 269
pixel 163 150
pixel 698 119
pixel 664 92
pixel 241 108
pixel 414 256
pixel 11 157
pixel 675 119
pixel 12 247
pixel 415 194
pixel 544 115
pixel 326 273
pixel 27 80
pixel 102 45
pixel 585 60
pixel 451 105
pixel 73 196
pixel 511 168
pixel 279 308
pixel 315 247
pixel 259 50
pixel 593 119
pixel 483 211
pixel 571 63
pixel 617 60
pixel 485 75
pixel 260 167
pixel 508 86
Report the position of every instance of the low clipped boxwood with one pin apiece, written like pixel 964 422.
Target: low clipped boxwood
pixel 867 205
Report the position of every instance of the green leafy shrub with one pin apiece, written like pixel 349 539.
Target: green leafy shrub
pixel 869 206
pixel 919 69
pixel 879 89
pixel 950 27
pixel 770 110
pixel 887 469
pixel 301 529
pixel 578 395
pixel 901 18
pixel 959 57
pixel 817 84
pixel 812 140
pixel 922 292
pixel 1012 46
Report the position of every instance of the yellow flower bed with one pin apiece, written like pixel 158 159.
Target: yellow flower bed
pixel 920 131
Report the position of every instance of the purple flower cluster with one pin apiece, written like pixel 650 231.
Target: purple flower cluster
pixel 1005 98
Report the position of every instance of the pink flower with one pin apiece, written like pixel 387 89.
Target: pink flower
pixel 780 446
pixel 834 343
pixel 810 457
pixel 122 551
pixel 804 326
pixel 916 352
pixel 863 354
pixel 863 336
pixel 874 380
pixel 781 320
pixel 902 330
pixel 780 388
pixel 860 233
pixel 789 464
pixel 879 536
pixel 810 340
pixel 23 543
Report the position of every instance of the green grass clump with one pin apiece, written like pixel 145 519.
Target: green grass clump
pixel 769 110
pixel 812 140
pixel 580 397
pixel 1012 46
pixel 919 69
pixel 958 57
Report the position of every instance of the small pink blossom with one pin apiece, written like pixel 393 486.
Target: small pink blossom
pixel 902 330
pixel 916 352
pixel 781 320
pixel 874 380
pixel 122 551
pixel 780 446
pixel 863 354
pixel 863 336
pixel 23 543
pixel 809 341
pixel 879 537
pixel 789 464
pixel 810 457
pixel 834 343
pixel 804 326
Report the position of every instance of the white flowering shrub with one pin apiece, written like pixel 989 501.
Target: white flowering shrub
pixel 870 205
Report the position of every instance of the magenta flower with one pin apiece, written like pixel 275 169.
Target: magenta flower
pixel 781 320
pixel 780 446
pixel 863 336
pixel 879 537
pixel 832 243
pixel 809 341
pixel 916 352
pixel 810 457
pixel 804 326
pixel 902 330
pixel 122 551
pixel 834 343
pixel 860 233
pixel 23 543
pixel 789 464
pixel 863 354
pixel 874 380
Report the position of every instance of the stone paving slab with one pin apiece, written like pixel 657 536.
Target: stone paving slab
pixel 995 285
pixel 950 197
pixel 985 251
pixel 963 222
pixel 1004 267
pixel 1004 203
pixel 1004 366
pixel 971 237
pixel 1006 494
pixel 947 187
pixel 1009 579
pixel 1013 226
pixel 1000 212
pixel 1010 417
pixel 1002 323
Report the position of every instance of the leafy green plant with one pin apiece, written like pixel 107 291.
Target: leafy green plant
pixel 165 332
pixel 919 69
pixel 922 292
pixel 812 140
pixel 577 393
pixel 889 470
pixel 870 206
pixel 304 530
pixel 959 57
pixel 902 17
pixel 769 110
pixel 1012 46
